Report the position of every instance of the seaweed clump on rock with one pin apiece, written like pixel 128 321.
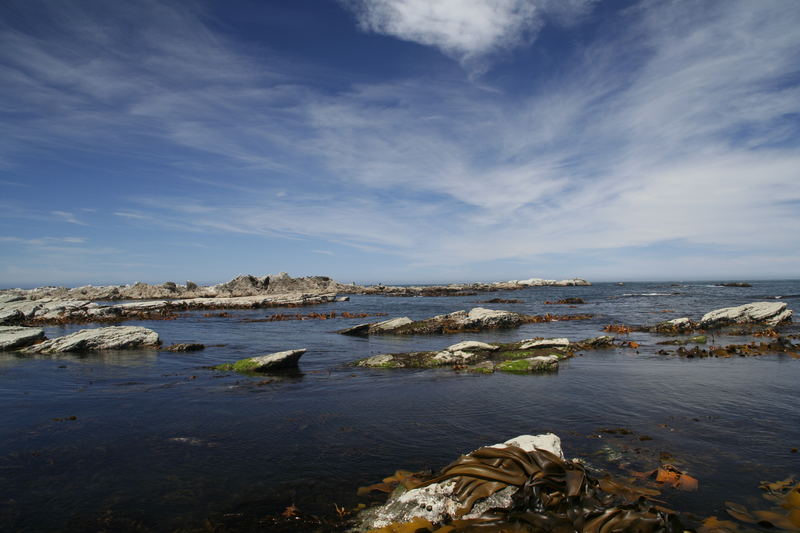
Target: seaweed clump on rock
pixel 518 486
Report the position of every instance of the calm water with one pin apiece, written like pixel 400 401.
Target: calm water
pixel 162 441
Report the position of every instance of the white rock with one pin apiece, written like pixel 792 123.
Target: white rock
pixel 109 338
pixel 435 502
pixel 13 337
pixel 377 360
pixel 770 313
pixel 392 323
pixel 452 357
pixel 277 361
pixel 471 345
pixel 679 322
pixel 560 342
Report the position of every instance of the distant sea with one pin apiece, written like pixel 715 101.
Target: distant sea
pixel 161 442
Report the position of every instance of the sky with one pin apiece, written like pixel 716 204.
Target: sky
pixel 399 141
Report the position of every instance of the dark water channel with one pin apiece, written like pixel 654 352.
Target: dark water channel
pixel 162 442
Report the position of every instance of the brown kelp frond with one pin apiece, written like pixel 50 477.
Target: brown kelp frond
pixel 554 494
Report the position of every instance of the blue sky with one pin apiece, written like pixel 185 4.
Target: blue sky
pixel 399 140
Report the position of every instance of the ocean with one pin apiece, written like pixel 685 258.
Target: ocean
pixel 146 440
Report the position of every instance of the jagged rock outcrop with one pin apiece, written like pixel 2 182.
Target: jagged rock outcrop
pixel 108 338
pixel 14 337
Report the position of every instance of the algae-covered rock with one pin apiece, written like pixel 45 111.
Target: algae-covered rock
pixel 274 362
pixel 108 338
pixel 540 363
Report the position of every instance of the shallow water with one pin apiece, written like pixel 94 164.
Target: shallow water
pixel 162 441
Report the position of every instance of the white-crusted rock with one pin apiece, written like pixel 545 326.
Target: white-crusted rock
pixel 769 313
pixel 448 357
pixel 109 338
pixel 471 345
pixel 561 342
pixel 14 337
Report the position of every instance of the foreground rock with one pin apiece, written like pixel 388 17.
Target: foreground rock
pixel 768 313
pixel 14 337
pixel 477 319
pixel 274 362
pixel 436 502
pixel 109 338
pixel 523 484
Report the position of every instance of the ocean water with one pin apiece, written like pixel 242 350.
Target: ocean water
pixel 160 442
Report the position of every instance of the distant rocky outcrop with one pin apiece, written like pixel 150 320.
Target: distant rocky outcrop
pixel 460 289
pixel 108 338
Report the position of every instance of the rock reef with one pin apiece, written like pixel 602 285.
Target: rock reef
pixel 274 362
pixel 477 319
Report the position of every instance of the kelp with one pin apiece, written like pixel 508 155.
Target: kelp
pixel 554 495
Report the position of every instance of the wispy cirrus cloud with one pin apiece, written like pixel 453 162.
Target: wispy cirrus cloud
pixel 673 128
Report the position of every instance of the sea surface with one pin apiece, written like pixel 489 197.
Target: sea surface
pixel 157 441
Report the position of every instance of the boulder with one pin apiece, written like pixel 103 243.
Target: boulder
pixel 560 342
pixel 472 345
pixel 768 313
pixel 453 357
pixel 109 338
pixel 274 362
pixel 437 503
pixel 185 347
pixel 14 337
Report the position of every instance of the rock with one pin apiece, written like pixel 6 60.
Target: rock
pixel 484 367
pixel 769 313
pixel 448 357
pixel 734 284
pixel 109 338
pixel 185 347
pixel 274 362
pixel 343 299
pixel 14 337
pixel 384 360
pixel 471 345
pixel 388 325
pixel 560 342
pixel 11 316
pixel 436 502
pixel 360 330
pixel 603 341
pixel 540 363
pixel 489 318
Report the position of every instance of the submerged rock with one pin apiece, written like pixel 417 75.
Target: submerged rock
pixel 274 362
pixel 436 502
pixel 14 337
pixel 185 347
pixel 108 338
pixel 769 313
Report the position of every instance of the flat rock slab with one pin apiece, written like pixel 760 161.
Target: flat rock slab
pixel 273 362
pixel 109 338
pixel 14 337
pixel 769 313
pixel 436 502
pixel 561 342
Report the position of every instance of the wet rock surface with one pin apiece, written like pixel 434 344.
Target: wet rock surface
pixel 769 313
pixel 108 338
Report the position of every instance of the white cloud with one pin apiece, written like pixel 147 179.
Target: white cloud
pixel 467 30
